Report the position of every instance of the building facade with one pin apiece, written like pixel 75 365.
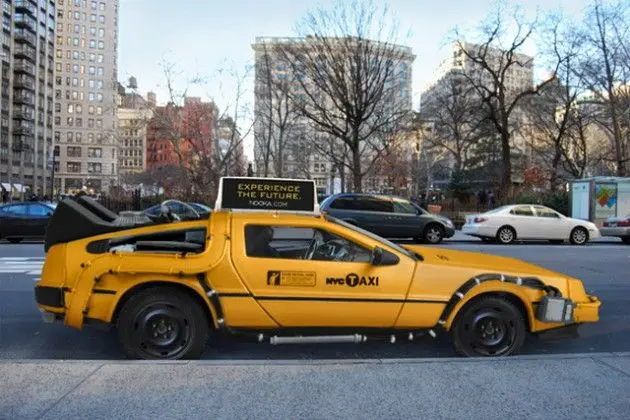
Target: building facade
pixel 26 132
pixel 134 115
pixel 86 94
pixel 296 149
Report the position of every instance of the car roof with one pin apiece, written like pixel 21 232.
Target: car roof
pixel 363 195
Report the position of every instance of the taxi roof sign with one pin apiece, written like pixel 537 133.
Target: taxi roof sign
pixel 267 194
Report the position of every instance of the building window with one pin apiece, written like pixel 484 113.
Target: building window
pixel 99 110
pixel 70 122
pixel 101 18
pixel 69 137
pixel 99 123
pixel 90 138
pixel 101 33
pixel 79 122
pixel 101 45
pixel 94 5
pixel 70 108
pixel 95 152
pixel 79 137
pixel 91 109
pixel 92 43
pixel 74 167
pixel 73 151
pixel 95 167
pixel 100 58
pixel 101 6
pixel 90 122
pixel 92 17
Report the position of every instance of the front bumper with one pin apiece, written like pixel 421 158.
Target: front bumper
pixel 449 232
pixel 587 311
pixel 50 296
pixel 615 231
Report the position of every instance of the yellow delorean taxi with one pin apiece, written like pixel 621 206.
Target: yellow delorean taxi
pixel 267 264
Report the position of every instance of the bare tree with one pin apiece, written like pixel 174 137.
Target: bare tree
pixel 350 76
pixel 558 119
pixel 458 123
pixel 605 66
pixel 493 61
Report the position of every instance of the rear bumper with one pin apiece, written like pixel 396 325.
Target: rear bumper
pixel 615 231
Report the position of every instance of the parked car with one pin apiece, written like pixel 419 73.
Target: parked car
pixel 617 226
pixel 179 208
pixel 389 217
pixel 21 220
pixel 510 223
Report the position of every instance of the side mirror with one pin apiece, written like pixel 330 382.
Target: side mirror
pixel 383 257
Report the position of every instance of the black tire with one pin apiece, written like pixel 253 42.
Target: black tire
pixel 489 327
pixel 579 236
pixel 433 234
pixel 626 240
pixel 14 240
pixel 506 235
pixel 162 323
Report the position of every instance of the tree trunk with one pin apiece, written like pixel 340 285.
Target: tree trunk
pixel 506 180
pixel 356 170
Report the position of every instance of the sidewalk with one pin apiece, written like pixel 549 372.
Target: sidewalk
pixel 565 386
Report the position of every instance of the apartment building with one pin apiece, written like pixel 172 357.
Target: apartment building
pixel 26 131
pixel 134 115
pixel 86 94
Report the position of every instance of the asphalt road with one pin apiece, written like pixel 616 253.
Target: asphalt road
pixel 603 266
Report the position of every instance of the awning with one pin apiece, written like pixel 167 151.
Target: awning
pixel 20 187
pixel 6 186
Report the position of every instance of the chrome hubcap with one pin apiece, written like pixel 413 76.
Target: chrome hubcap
pixel 579 236
pixel 506 235
pixel 433 235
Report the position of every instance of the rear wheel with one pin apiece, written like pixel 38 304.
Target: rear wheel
pixel 162 323
pixel 506 235
pixel 489 326
pixel 579 236
pixel 433 234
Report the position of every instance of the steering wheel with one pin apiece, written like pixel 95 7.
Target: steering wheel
pixel 187 206
pixel 317 240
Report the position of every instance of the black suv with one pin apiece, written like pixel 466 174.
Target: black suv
pixel 389 217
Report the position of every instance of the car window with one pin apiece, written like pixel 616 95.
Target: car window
pixel 39 210
pixel 545 212
pixel 301 243
pixel 522 211
pixel 374 204
pixel 343 203
pixel 401 206
pixel 373 236
pixel 17 210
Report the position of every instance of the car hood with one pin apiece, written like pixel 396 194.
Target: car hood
pixel 481 262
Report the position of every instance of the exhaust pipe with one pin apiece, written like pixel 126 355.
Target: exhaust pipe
pixel 355 338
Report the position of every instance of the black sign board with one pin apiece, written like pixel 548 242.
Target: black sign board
pixel 267 194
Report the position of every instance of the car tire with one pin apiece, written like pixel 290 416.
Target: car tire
pixel 626 240
pixel 162 323
pixel 433 234
pixel 14 240
pixel 489 327
pixel 579 236
pixel 506 235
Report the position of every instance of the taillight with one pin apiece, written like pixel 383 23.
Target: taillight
pixel 605 224
pixel 624 223
pixel 480 219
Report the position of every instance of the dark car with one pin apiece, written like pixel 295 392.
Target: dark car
pixel 389 217
pixel 24 220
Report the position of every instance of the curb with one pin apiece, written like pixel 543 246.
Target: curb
pixel 315 362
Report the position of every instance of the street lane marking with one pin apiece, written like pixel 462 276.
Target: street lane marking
pixel 21 265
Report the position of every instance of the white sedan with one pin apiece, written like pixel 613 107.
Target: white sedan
pixel 507 224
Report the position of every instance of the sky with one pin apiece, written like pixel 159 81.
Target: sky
pixel 212 39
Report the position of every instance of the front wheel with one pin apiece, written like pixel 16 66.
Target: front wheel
pixel 579 236
pixel 489 326
pixel 506 235
pixel 161 323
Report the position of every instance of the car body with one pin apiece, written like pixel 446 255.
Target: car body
pixel 27 219
pixel 388 216
pixel 291 276
pixel 617 226
pixel 516 222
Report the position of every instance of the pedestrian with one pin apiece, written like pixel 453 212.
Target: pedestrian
pixel 5 195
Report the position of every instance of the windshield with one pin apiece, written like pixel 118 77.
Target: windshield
pixel 373 236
